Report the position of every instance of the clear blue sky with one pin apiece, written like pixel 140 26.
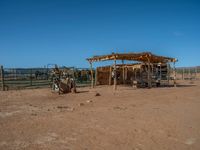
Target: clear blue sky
pixel 34 33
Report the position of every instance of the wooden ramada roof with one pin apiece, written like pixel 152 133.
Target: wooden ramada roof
pixel 141 57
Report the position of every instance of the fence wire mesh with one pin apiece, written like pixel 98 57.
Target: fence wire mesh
pixel 20 78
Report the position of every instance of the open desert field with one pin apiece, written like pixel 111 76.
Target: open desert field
pixel 102 119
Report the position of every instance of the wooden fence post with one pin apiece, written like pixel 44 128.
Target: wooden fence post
pixel 183 74
pixel 195 73
pixel 2 79
pixel 31 78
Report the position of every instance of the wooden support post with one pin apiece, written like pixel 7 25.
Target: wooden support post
pixel 174 75
pixel 168 73
pixel 140 74
pixel 183 73
pixel 149 75
pixel 160 72
pixel 96 77
pixel 115 75
pixel 110 76
pixel 123 72
pixel 92 80
pixel 15 74
pixel 2 79
pixel 135 73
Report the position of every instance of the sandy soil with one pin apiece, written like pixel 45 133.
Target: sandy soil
pixel 128 119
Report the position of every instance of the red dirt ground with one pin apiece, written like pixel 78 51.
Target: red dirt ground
pixel 127 119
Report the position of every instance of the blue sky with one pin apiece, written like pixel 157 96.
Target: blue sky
pixel 34 33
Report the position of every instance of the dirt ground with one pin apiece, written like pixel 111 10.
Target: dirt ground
pixel 127 119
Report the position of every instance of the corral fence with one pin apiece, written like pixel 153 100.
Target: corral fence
pixel 20 78
pixel 188 73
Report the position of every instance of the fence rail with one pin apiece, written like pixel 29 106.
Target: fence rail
pixel 19 78
pixel 188 73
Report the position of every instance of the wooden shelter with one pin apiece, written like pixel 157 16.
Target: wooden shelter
pixel 146 59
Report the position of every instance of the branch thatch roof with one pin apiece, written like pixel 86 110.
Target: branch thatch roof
pixel 141 57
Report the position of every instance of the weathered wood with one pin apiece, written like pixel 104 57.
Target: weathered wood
pixel 110 76
pixel 195 73
pixel 2 79
pixel 189 73
pixel 31 78
pixel 183 73
pixel 115 75
pixel 135 73
pixel 168 73
pixel 132 57
pixel 92 80
pixel 123 72
pixel 96 77
pixel 149 75
pixel 174 74
pixel 160 72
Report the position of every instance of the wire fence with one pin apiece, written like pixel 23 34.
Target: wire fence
pixel 188 73
pixel 20 78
